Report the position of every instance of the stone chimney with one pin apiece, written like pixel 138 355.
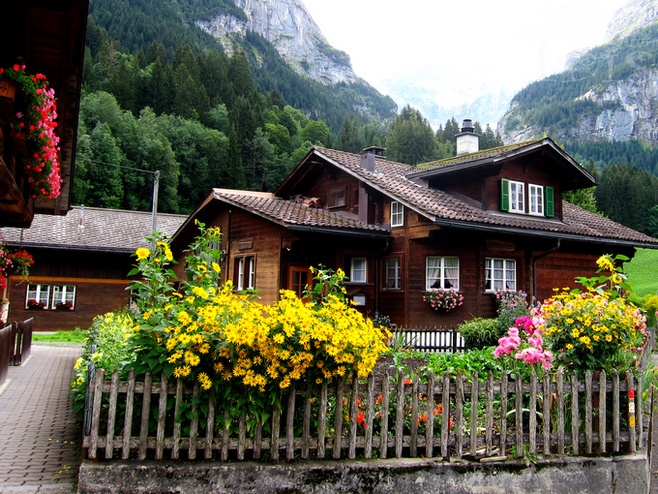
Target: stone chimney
pixel 467 140
pixel 368 157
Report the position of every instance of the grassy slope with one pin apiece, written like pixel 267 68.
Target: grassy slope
pixel 642 272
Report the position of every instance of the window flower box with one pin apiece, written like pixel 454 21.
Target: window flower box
pixel 64 305
pixel 443 299
pixel 36 305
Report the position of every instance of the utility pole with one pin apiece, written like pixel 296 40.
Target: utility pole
pixel 156 186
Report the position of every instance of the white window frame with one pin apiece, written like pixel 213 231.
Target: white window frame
pixel 392 273
pixel 245 278
pixel 536 200
pixel 38 292
pixel 63 293
pixel 397 214
pixel 500 274
pixel 442 272
pixel 516 197
pixel 359 270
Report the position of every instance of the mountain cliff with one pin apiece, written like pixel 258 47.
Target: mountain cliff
pixel 291 30
pixel 609 94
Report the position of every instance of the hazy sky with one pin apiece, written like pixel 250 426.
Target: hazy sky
pixel 461 48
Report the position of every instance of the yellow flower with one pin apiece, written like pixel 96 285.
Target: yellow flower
pixel 606 263
pixel 204 380
pixel 216 268
pixel 142 253
pixel 200 292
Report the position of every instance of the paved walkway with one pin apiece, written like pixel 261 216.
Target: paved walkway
pixel 39 434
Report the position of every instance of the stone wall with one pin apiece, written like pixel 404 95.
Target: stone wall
pixel 618 475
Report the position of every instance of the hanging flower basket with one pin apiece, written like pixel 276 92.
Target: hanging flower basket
pixel 443 299
pixel 35 117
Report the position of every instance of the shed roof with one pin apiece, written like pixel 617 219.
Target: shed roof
pixel 97 229
pixel 294 214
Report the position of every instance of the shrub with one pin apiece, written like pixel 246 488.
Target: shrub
pixel 246 351
pixel 480 333
pixel 510 305
pixel 106 347
pixel 651 307
pixel 524 344
pixel 596 328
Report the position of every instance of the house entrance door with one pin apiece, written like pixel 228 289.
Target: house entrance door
pixel 298 278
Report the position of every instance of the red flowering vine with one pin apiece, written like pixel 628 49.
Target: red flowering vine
pixel 37 122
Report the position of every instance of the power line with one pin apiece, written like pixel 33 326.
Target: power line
pixel 156 186
pixel 122 166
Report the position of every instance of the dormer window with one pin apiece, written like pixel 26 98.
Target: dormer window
pixel 397 214
pixel 336 197
pixel 540 202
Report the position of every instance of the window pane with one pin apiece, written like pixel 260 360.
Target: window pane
pixel 397 214
pixel 358 270
pixel 516 196
pixel 251 282
pixel 37 295
pixel 500 274
pixel 442 272
pixel 393 273
pixel 239 285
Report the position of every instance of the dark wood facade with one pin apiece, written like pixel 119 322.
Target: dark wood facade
pixel 449 212
pixel 48 38
pixel 99 280
pixel 84 258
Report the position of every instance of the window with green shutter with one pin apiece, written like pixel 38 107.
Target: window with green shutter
pixel 504 194
pixel 549 210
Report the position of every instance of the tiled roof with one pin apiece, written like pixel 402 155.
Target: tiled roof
pixel 95 229
pixel 291 214
pixel 391 178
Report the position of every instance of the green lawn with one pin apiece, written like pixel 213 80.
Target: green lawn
pixel 642 272
pixel 77 336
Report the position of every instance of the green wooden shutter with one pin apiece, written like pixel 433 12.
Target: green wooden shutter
pixel 549 209
pixel 504 194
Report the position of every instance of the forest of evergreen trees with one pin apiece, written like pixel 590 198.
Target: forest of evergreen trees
pixel 206 119
pixel 159 95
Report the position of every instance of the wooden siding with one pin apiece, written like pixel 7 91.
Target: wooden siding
pixel 93 297
pixel 252 236
pixel 560 269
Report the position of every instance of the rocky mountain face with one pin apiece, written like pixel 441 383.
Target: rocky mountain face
pixel 615 108
pixel 293 32
pixel 634 15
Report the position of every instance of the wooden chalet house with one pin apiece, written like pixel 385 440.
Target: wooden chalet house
pixel 47 36
pixel 81 263
pixel 477 222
